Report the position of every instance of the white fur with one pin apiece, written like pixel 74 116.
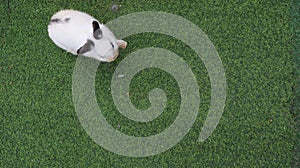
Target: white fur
pixel 70 30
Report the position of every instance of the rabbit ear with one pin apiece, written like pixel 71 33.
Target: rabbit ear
pixel 97 33
pixel 88 46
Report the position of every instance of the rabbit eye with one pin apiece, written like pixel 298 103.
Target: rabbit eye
pixel 112 44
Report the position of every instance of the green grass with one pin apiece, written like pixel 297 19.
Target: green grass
pixel 39 125
pixel 295 25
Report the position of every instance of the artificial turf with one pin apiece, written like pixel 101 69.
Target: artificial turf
pixel 295 25
pixel 254 39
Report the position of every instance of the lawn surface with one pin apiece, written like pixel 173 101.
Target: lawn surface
pixel 254 39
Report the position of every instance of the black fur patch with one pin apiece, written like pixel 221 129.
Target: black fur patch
pixel 55 20
pixel 67 19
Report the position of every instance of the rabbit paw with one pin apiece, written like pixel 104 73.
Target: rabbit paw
pixel 122 44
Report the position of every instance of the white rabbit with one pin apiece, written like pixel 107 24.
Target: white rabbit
pixel 81 34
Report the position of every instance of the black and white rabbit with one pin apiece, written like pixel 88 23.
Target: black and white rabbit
pixel 81 34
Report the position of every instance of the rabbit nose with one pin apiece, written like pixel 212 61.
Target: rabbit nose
pixel 116 53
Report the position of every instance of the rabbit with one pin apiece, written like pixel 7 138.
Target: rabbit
pixel 81 34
